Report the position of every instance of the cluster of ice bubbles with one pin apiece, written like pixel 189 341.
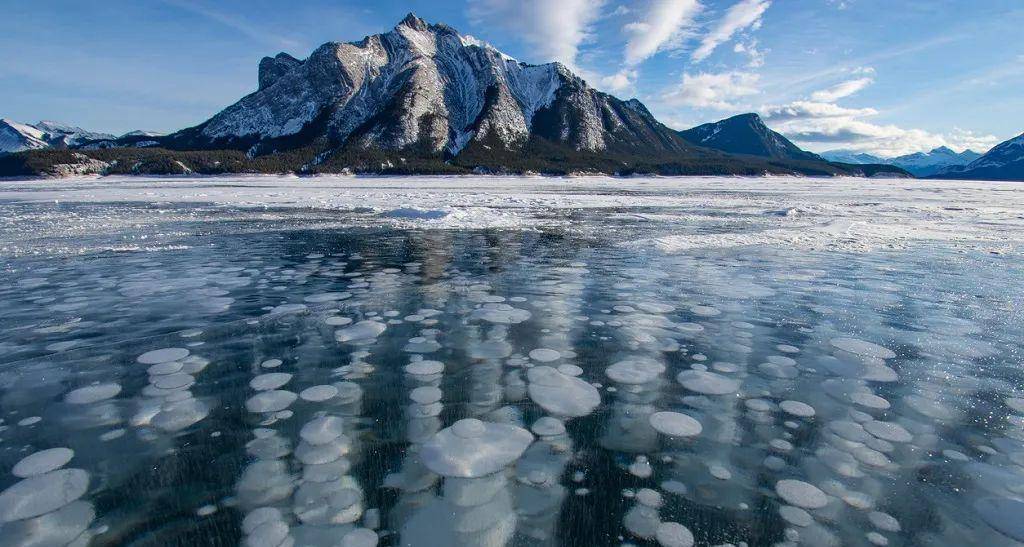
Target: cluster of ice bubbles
pixel 823 429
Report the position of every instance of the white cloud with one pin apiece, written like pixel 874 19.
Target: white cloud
pixel 742 15
pixel 659 27
pixel 620 81
pixel 755 57
pixel 821 124
pixel 840 90
pixel 554 29
pixel 803 110
pixel 718 91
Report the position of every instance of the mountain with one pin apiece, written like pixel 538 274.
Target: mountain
pixel 746 134
pixel 851 157
pixel 1004 162
pixel 923 164
pixel 423 88
pixel 15 137
pixel 61 135
pixel 423 98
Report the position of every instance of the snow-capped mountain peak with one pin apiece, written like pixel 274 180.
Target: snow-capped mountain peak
pixel 422 86
pixel 15 137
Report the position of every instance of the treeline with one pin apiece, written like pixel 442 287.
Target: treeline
pixel 536 156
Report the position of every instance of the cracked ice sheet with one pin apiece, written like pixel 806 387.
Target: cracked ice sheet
pixel 674 214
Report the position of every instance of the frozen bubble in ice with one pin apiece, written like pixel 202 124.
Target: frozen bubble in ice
pixel 705 311
pixel 179 415
pixel 363 330
pixel 649 497
pixel 93 394
pixel 758 405
pixel 786 348
pixel 41 494
pixel 326 472
pixel 288 309
pixel 273 533
pixel 424 368
pixel 801 494
pixel 471 448
pixel 178 380
pixel 548 426
pixel 490 349
pixel 636 370
pixel 322 430
pixel 1017 404
pixel 316 454
pixel 795 516
pixel 877 539
pixel 43 461
pixel 889 431
pixel 162 356
pixel 570 370
pixel 642 521
pixel 268 448
pixel 545 355
pixel 360 537
pixel 719 472
pixel 560 394
pixel 797 408
pixel 257 517
pixel 503 314
pixel 337 321
pixel 675 424
pixel 707 383
pixel 319 393
pixel 884 521
pixel 161 369
pixel 326 297
pixel 673 534
pixel 270 401
pixel 851 431
pixel 425 395
pixel 869 400
pixel 60 527
pixel 641 467
pixel 271 363
pixel 31 420
pixel 862 348
pixel 269 381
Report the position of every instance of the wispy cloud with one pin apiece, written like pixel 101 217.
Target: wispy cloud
pixel 741 16
pixel 234 22
pixel 554 29
pixel 841 90
pixel 662 25
pixel 717 91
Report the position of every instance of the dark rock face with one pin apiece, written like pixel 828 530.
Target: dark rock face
pixel 746 134
pixel 273 68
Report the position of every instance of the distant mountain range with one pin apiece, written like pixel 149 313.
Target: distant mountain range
pixel 1004 162
pixel 423 98
pixel 18 137
pixel 921 164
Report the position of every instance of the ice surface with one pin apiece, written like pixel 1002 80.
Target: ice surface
pixel 672 351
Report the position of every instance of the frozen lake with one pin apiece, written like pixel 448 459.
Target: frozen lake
pixel 430 362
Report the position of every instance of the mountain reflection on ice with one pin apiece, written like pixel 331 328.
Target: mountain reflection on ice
pixel 367 386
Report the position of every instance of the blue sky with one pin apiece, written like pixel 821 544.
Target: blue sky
pixel 888 77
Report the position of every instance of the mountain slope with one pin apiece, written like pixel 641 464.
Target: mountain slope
pixel 746 134
pixel 1004 162
pixel 15 137
pixel 423 87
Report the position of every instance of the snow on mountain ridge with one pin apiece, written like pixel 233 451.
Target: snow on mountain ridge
pixel 422 86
